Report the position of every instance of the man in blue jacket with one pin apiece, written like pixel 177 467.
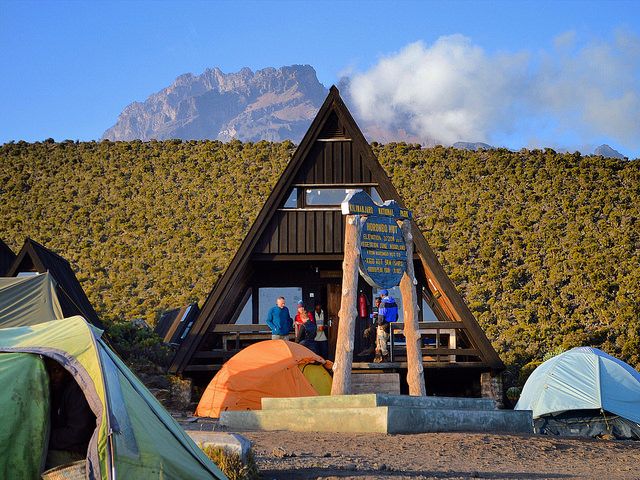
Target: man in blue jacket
pixel 279 320
pixel 388 307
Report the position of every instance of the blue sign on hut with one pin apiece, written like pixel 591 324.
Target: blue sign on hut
pixel 383 253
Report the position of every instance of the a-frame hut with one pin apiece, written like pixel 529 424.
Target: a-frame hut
pixel 295 249
pixel 174 325
pixel 36 258
pixel 6 257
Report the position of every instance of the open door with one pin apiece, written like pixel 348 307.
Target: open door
pixel 334 294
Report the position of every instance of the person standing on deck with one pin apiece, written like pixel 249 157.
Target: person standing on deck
pixel 387 313
pixel 297 321
pixel 388 307
pixel 279 320
pixel 307 330
pixel 321 336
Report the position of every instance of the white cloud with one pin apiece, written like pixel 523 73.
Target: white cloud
pixel 594 90
pixel 565 40
pixel 453 90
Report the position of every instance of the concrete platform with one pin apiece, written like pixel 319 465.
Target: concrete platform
pixel 378 400
pixel 380 414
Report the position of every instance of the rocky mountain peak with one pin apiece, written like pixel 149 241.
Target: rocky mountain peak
pixel 269 104
pixel 608 152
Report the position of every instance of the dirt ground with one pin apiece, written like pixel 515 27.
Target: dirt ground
pixel 304 455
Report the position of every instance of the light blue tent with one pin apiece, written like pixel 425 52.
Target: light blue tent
pixel 584 382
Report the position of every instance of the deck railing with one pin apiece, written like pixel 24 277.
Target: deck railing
pixel 432 346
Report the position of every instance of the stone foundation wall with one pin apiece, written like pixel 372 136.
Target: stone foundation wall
pixel 492 387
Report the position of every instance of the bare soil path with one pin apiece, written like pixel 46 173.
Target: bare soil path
pixel 304 455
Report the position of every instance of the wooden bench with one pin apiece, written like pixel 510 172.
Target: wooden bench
pixel 253 332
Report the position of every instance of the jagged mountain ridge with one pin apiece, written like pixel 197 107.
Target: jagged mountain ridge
pixel 269 104
pixel 607 152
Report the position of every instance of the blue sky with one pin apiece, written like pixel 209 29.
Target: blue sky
pixel 69 68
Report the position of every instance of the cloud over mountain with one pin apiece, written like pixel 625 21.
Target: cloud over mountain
pixel 454 90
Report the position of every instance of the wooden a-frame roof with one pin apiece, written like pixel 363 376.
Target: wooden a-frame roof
pixel 36 257
pixel 6 257
pixel 322 126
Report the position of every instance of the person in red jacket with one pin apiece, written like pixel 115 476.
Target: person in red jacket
pixel 302 311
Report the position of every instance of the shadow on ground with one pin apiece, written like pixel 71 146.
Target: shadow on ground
pixel 333 473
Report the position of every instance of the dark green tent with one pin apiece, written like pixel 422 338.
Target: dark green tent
pixel 134 438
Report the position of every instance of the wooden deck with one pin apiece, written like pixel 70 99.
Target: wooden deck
pixel 441 348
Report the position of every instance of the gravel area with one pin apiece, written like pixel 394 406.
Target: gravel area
pixel 304 455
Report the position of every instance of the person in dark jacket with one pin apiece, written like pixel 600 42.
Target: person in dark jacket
pixel 279 320
pixel 72 421
pixel 307 330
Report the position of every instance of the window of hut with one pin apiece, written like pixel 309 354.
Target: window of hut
pixel 326 197
pixel 292 201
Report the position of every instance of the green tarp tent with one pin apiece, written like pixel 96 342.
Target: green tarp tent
pixel 24 403
pixel 28 300
pixel 135 437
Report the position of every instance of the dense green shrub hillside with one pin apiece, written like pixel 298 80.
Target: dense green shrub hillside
pixel 545 247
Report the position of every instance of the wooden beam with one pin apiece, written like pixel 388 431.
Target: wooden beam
pixel 415 372
pixel 472 352
pixel 433 326
pixel 269 257
pixel 344 347
pixel 335 185
pixel 333 140
pixel 232 328
pixel 425 364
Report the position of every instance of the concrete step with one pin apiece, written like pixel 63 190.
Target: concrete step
pixel 385 419
pixel 378 400
pixel 422 420
pixel 308 420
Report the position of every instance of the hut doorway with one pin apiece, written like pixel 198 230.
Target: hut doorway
pixel 334 295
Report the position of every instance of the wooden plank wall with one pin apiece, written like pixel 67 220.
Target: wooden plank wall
pixel 291 232
pixel 334 162
pixel 316 231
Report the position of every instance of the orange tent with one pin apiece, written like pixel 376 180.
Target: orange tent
pixel 272 368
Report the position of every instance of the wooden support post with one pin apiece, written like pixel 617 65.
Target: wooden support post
pixel 348 311
pixel 415 370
